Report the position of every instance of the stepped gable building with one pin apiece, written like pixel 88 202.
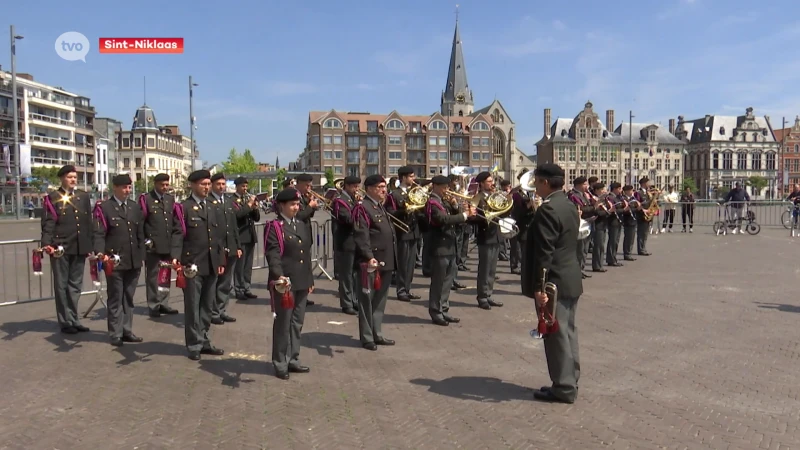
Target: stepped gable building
pixel 361 143
pixel 789 169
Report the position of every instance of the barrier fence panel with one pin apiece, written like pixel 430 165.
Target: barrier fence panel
pixel 767 213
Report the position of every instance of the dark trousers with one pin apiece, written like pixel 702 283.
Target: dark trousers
pixel 629 237
pixel 371 306
pixel 515 252
pixel 614 231
pixel 243 273
pixel 465 245
pixel 406 258
pixel 687 213
pixel 286 331
pixel 420 246
pixel 121 289
pixel 155 297
pixel 488 255
pixel 669 218
pixel 224 288
pixel 582 249
pixel 347 279
pixel 426 255
pixel 642 231
pixel 67 286
pixel 198 301
pixel 598 247
pixel 443 273
pixel 561 350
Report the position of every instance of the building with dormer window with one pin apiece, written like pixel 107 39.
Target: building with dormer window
pixel 789 169
pixel 723 150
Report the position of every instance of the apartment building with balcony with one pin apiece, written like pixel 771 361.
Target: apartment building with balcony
pixel 105 132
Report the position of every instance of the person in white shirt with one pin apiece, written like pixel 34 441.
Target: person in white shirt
pixel 670 199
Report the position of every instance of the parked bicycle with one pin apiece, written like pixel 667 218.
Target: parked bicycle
pixel 746 222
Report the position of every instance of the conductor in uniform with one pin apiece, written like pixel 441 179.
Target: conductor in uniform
pixel 67 223
pixel 442 237
pixel 396 204
pixel 119 233
pixel 374 262
pixel 247 215
pixel 233 250
pixel 344 245
pixel 197 241
pixel 288 252
pixel 156 207
pixel 489 242
pixel 552 241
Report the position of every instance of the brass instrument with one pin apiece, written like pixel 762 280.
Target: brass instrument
pixel 324 202
pixel 498 203
pixel 653 209
pixel 548 323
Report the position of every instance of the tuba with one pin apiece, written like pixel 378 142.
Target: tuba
pixel 653 209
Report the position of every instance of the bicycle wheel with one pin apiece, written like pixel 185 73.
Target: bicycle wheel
pixel 786 220
pixel 753 228
pixel 719 227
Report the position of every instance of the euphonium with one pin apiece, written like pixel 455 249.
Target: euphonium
pixel 653 209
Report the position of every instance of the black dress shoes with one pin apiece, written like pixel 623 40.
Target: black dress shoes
pixel 69 330
pixel 457 285
pixel 81 328
pixel 404 298
pixel 249 294
pixel 384 341
pixel 599 270
pixel 630 258
pixel 484 305
pixel 548 396
pixel 585 275
pixel 227 318
pixel 439 321
pixel 298 369
pixel 463 268
pixel 414 296
pixel 282 375
pixel 349 311
pixel 370 346
pixel 194 355
pixel 616 264
pixel 212 351
pixel 217 321
pixel 495 303
pixel 645 254
pixel 155 314
pixel 516 271
pixel 167 310
pixel 451 319
pixel 116 342
pixel 132 338
pixel 310 303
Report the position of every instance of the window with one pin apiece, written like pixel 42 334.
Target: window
pixel 337 140
pixel 327 155
pixel 372 157
pixel 353 157
pixel 770 161
pixel 594 135
pixel 485 142
pixel 572 154
pixel 442 140
pixel 337 170
pixel 756 158
pixel 715 161
pixel 151 142
pixel 561 155
pixel 613 154
pixel 443 156
pixel 627 164
pixel 138 163
pixel 353 126
pixel 395 124
pixel 487 156
pixel 126 142
pixel 727 161
pixel 372 126
pixel 797 148
pixel 604 174
pixel 652 136
pixel 393 169
pixel 137 142
pixel 433 171
pixel 741 161
pixel 432 141
pixel 434 156
pixel 415 127
pixel 480 126
pixel 395 140
pixel 327 139
pixel 352 171
pixel 126 163
pixel 372 142
pixel 353 142
pixel 476 142
pixel 573 174
pixel 676 164
pixel 395 155
pixel 372 170
pixel 476 155
pixel 595 154
pixel 636 163
pixel 332 123
pixel 584 153
pixel 438 125
pixel 582 133
pixel 337 154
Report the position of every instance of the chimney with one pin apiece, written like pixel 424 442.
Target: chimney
pixel 610 120
pixel 547 122
pixel 672 126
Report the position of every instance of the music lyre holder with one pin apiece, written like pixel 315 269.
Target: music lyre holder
pixel 98 296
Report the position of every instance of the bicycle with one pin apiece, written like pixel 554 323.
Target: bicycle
pixel 751 226
pixel 792 211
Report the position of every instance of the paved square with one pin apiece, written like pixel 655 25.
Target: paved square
pixel 694 347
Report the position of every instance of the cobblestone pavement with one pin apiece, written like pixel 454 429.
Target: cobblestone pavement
pixel 694 347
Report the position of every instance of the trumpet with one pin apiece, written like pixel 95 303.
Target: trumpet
pixel 58 251
pixel 324 202
pixel 548 323
pixel 498 203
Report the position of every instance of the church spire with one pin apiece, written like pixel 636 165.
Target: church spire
pixel 457 97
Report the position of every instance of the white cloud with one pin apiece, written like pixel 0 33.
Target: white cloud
pixel 280 88
pixel 559 25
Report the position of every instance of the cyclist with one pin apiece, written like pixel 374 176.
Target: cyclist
pixel 737 198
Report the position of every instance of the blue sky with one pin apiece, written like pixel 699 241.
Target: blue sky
pixel 262 65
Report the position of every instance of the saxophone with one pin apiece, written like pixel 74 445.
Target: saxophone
pixel 653 209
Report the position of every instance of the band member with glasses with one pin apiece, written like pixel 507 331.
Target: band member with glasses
pixel 288 252
pixel 197 245
pixel 67 223
pixel 119 233
pixel 374 262
pixel 642 225
pixel 248 214
pixel 233 249
pixel 396 203
pixel 344 245
pixel 629 223
pixel 489 242
pixel 157 206
pixel 552 238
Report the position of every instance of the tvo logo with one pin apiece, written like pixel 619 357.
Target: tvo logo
pixel 72 46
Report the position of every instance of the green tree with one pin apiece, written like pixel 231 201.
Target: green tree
pixel 280 177
pixel 690 183
pixel 138 185
pixel 238 164
pixel 757 183
pixel 329 177
pixel 41 177
pixel 721 191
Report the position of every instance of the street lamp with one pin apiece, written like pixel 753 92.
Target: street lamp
pixel 191 118
pixel 17 155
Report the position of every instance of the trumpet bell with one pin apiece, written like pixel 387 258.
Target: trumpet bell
pixel 526 182
pixel 190 271
pixel 584 230
pixel 149 244
pixel 58 252
pixel 508 227
pixel 282 286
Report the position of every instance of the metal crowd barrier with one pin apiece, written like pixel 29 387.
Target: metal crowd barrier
pixel 20 285
pixel 768 213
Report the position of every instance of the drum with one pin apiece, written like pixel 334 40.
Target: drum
pixel 508 228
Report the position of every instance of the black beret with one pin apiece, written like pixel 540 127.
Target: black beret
pixel 405 170
pixel 627 187
pixel 198 175
pixel 644 180
pixel 373 180
pixel 614 185
pixel 287 195
pixel 597 186
pixel 423 182
pixel 160 177
pixel 483 176
pixel 65 170
pixel 348 181
pixel 439 180
pixel 549 170
pixel 592 180
pixel 240 180
pixel 217 176
pixel 505 183
pixel 121 180
pixel 522 172
pixel 579 180
pixel 304 177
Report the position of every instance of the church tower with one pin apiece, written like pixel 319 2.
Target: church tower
pixel 457 98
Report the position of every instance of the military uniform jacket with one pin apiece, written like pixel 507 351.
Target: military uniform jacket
pixel 643 197
pixel 396 206
pixel 246 219
pixel 552 244
pixel 196 236
pixel 305 213
pixel 602 213
pixel 628 219
pixel 443 220
pixel 580 199
pixel 67 221
pixel 158 220
pixel 521 213
pixel 288 251
pixel 374 235
pixel 227 222
pixel 120 231
pixel 487 232
pixel 616 208
pixel 343 240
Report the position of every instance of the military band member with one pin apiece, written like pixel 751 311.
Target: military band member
pixel 196 240
pixel 157 206
pixel 579 195
pixel 454 207
pixel 67 223
pixel 344 245
pixel 375 249
pixel 119 232
pixel 552 239
pixel 629 223
pixel 288 252
pixel 442 238
pixel 396 204
pixel 600 233
pixel 642 226
pixel 489 242
pixel 522 212
pixel 308 205
pixel 247 215
pixel 616 207
pixel 233 250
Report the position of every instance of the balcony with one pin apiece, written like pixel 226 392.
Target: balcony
pixel 39 161
pixel 59 101
pixel 51 120
pixel 8 136
pixel 85 126
pixel 53 142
